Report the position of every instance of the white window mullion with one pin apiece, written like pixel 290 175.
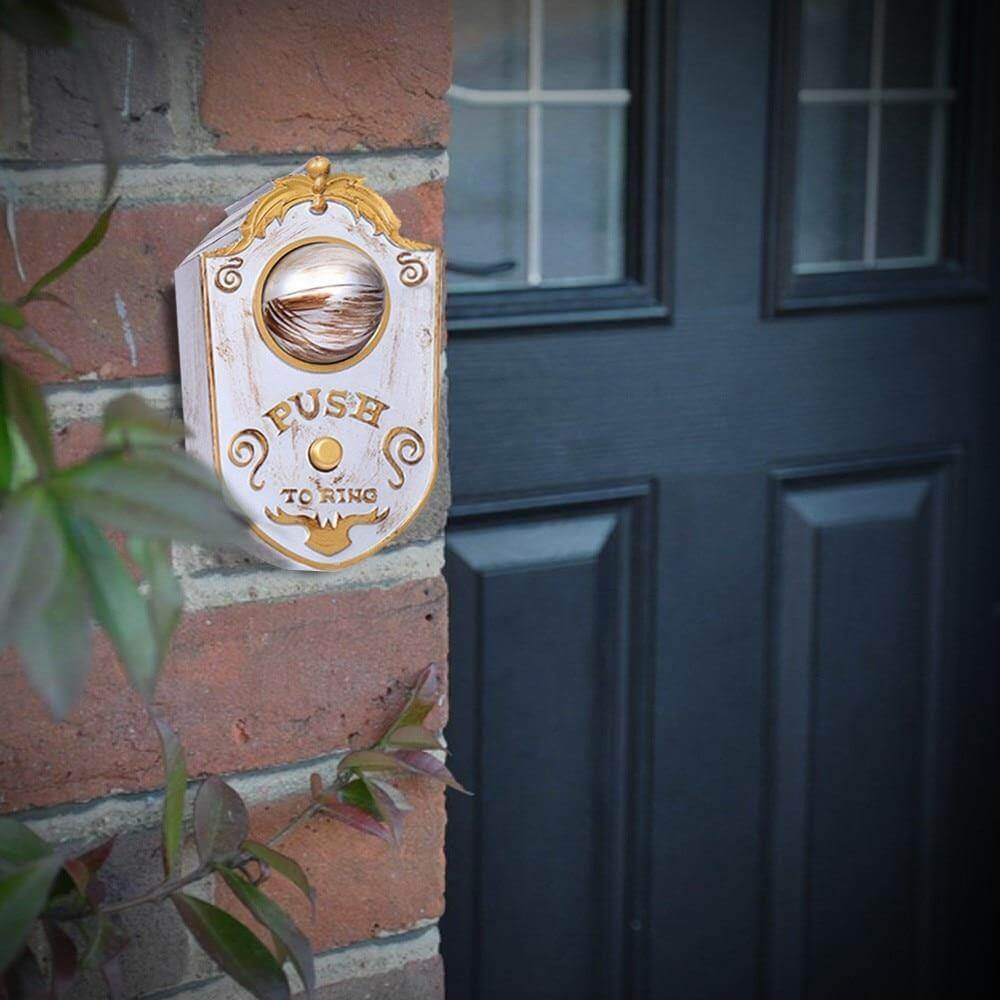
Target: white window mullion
pixel 939 132
pixel 870 242
pixel 536 56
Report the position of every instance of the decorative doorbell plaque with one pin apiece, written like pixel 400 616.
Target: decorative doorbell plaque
pixel 310 352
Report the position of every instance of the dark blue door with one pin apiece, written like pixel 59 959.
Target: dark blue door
pixel 723 395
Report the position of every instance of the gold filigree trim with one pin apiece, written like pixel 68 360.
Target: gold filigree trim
pixel 414 269
pixel 328 537
pixel 242 450
pixel 228 278
pixel 318 187
pixel 408 446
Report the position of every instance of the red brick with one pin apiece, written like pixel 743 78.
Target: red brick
pixel 364 886
pixel 135 264
pixel 421 211
pixel 247 686
pixel 305 77
pixel 76 441
pixel 126 284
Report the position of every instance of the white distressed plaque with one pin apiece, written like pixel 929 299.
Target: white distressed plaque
pixel 310 352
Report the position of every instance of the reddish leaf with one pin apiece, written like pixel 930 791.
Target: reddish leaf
pixel 426 694
pixel 221 820
pixel 94 858
pixel 64 959
pixel 414 738
pixel 424 763
pixel 368 760
pixel 353 816
pixel 390 813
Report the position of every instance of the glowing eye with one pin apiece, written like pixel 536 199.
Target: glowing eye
pixel 323 302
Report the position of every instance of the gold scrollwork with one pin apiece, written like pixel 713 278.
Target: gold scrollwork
pixel 409 449
pixel 331 536
pixel 414 269
pixel 243 448
pixel 228 278
pixel 317 187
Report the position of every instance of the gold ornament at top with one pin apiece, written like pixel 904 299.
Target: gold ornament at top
pixel 318 187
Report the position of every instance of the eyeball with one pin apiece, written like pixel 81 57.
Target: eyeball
pixel 323 302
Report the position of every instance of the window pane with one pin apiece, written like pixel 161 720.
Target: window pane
pixel 912 34
pixel 830 190
pixel 582 194
pixel 486 215
pixel 904 181
pixel 491 48
pixel 836 43
pixel 584 44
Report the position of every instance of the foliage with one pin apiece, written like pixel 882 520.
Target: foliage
pixel 61 892
pixel 60 570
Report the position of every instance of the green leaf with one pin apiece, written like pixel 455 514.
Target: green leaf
pixel 29 337
pixel 19 844
pixel 414 738
pixel 430 767
pixel 368 760
pixel 173 798
pixel 23 894
pixel 93 239
pixel 119 607
pixel 282 864
pixel 23 404
pixel 166 599
pixel 221 820
pixel 130 420
pixel 152 495
pixel 33 548
pixel 11 316
pixel 280 924
pixel 237 951
pixel 6 456
pixel 108 118
pixel 55 645
pixel 36 22
pixel 104 942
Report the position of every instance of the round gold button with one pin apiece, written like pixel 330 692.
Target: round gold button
pixel 325 454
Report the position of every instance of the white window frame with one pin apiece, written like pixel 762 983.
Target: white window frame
pixel 939 97
pixel 535 98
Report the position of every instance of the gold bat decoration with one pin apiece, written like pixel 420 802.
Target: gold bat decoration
pixel 331 536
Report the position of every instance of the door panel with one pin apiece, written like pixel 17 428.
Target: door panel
pixel 804 839
pixel 858 709
pixel 549 605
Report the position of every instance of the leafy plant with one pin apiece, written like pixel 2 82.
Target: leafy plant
pixel 59 571
pixel 59 568
pixel 61 892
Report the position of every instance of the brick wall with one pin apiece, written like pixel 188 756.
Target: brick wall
pixel 273 674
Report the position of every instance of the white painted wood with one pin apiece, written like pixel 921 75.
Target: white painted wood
pixel 231 378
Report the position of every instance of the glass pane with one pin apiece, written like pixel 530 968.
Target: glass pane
pixel 904 181
pixel 582 183
pixel 486 220
pixel 491 44
pixel 830 189
pixel 836 43
pixel 584 44
pixel 913 33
